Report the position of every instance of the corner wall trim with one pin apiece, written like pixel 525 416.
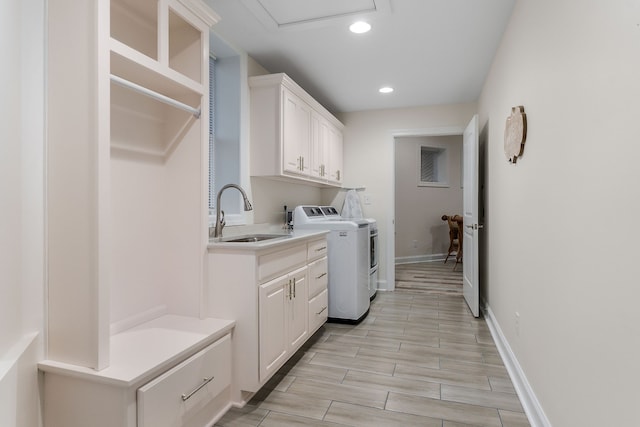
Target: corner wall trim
pixel 530 403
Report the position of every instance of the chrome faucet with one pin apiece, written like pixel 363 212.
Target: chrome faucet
pixel 220 222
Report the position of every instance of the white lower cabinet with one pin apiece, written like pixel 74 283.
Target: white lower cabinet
pixel 266 289
pixel 318 310
pixel 318 281
pixel 174 398
pixel 283 319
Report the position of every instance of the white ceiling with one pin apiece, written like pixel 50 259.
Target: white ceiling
pixel 431 51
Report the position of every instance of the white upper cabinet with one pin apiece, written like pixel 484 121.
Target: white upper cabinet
pixel 296 134
pixel 291 133
pixel 320 129
pixel 335 156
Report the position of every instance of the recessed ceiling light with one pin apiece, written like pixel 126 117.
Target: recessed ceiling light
pixel 385 89
pixel 359 27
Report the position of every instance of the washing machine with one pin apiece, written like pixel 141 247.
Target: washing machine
pixel 348 260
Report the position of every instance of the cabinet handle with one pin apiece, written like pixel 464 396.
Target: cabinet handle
pixel 321 249
pixel 294 287
pixel 321 276
pixel 289 289
pixel 205 381
pixel 323 309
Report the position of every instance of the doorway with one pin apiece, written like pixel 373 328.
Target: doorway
pixel 429 233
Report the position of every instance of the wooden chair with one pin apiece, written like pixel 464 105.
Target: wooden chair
pixel 455 237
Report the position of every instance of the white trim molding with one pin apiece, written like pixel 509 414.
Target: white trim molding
pixel 421 258
pixel 530 403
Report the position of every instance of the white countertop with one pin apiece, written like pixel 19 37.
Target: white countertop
pixel 143 352
pixel 296 236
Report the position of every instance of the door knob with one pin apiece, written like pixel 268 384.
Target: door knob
pixel 475 226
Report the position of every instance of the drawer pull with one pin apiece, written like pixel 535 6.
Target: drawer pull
pixel 205 381
pixel 322 275
pixel 323 309
pixel 321 249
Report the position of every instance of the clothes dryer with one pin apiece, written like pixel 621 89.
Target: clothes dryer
pixel 373 257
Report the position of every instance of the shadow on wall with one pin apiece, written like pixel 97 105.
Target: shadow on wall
pixel 440 238
pixel 483 253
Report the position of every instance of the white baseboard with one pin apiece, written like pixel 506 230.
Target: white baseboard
pixel 382 285
pixel 421 258
pixel 530 403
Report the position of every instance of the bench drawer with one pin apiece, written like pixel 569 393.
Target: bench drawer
pixel 172 398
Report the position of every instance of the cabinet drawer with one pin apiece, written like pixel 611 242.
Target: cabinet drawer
pixel 276 263
pixel 318 277
pixel 318 311
pixel 170 399
pixel 317 249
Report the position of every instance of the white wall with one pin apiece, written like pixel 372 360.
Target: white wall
pixel 11 180
pixel 368 161
pixel 561 236
pixel 22 209
pixel 421 234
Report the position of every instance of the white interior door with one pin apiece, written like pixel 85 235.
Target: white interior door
pixel 471 227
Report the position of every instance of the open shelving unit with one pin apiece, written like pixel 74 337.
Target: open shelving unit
pixel 127 216
pixel 156 46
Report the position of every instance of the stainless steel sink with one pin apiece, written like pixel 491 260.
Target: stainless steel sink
pixel 253 238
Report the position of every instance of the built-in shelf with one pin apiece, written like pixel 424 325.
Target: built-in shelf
pixel 157 46
pixel 184 47
pixel 136 67
pixel 135 24
pixel 141 125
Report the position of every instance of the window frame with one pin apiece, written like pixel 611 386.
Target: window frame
pixel 441 168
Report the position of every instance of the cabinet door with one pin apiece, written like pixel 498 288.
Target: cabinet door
pixel 273 305
pixel 319 147
pixel 298 309
pixel 335 154
pixel 296 134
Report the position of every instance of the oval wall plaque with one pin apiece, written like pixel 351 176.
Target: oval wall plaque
pixel 515 133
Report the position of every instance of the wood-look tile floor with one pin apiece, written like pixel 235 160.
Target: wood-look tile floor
pixel 432 277
pixel 418 359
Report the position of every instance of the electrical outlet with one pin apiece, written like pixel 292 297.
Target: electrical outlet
pixel 517 323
